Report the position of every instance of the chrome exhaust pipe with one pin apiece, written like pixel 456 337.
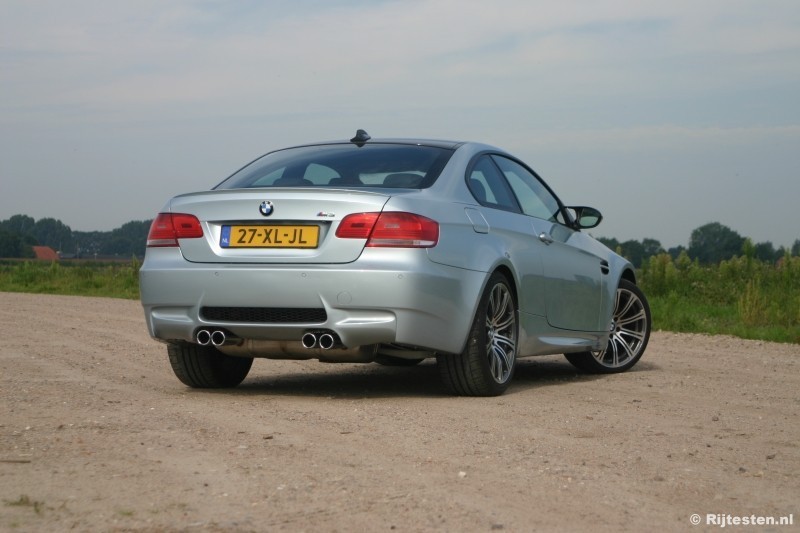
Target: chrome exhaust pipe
pixel 309 340
pixel 327 341
pixel 220 338
pixel 203 337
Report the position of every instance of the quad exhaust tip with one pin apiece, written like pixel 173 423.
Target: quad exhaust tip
pixel 203 337
pixel 216 337
pixel 309 340
pixel 325 340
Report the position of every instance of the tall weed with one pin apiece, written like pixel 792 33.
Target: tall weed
pixel 741 296
pixel 117 280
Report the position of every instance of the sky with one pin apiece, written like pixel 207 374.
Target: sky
pixel 664 115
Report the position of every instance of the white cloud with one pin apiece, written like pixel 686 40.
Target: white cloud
pixel 572 84
pixel 108 55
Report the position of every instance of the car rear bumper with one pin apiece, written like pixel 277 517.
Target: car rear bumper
pixel 386 296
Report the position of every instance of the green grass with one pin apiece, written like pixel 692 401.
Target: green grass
pixel 743 297
pixel 673 314
pixel 115 280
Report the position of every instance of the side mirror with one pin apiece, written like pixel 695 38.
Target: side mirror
pixel 585 217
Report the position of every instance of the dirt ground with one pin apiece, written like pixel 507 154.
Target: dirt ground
pixel 96 434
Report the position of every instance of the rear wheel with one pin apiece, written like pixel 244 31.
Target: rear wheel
pixel 486 366
pixel 206 367
pixel 629 335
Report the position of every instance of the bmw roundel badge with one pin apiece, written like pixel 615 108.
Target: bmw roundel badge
pixel 266 208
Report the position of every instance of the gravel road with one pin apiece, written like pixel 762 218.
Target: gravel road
pixel 96 434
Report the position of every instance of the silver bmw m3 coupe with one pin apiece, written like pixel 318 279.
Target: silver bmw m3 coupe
pixel 389 251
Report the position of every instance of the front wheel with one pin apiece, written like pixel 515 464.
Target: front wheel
pixel 205 367
pixel 630 331
pixel 486 365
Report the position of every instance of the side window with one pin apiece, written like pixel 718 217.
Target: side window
pixel 489 187
pixel 534 198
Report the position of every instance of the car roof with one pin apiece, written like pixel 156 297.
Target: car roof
pixel 437 143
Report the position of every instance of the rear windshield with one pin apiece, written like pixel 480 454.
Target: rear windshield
pixel 396 166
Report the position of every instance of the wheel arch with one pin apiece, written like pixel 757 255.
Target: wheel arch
pixel 621 269
pixel 509 275
pixel 628 274
pixel 485 367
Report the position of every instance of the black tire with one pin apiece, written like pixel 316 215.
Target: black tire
pixel 486 366
pixel 205 367
pixel 629 336
pixel 390 360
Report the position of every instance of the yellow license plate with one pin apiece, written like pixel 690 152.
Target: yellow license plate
pixel 269 236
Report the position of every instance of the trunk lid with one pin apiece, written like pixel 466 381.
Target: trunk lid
pixel 276 225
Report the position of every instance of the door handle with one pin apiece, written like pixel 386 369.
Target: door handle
pixel 545 238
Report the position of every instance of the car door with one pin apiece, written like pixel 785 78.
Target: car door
pixel 514 230
pixel 573 276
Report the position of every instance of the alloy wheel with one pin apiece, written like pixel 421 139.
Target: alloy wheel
pixel 501 333
pixel 629 331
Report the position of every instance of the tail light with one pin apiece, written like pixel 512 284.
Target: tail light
pixel 390 229
pixel 167 228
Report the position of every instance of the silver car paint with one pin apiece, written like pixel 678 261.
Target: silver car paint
pixel 387 296
pixel 215 207
pixel 419 297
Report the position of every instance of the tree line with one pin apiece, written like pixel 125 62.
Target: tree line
pixel 708 244
pixel 20 233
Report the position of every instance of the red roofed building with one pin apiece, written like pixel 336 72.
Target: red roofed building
pixel 45 253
